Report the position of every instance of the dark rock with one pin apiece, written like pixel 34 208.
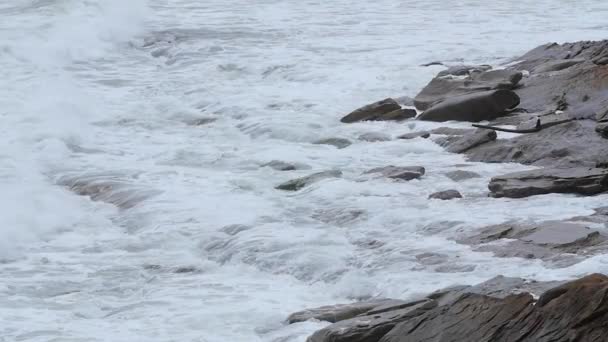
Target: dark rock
pixel 338 312
pixel 399 115
pixel 575 311
pixel 584 181
pixel 374 137
pixel 467 142
pixel 405 173
pixel 583 146
pixel 446 195
pixel 369 328
pixel 460 175
pixel 442 88
pixel 280 165
pixel 557 65
pixel 374 111
pixel 431 64
pixel 337 142
pixel 413 135
pixel 405 101
pixel 602 129
pixel 475 107
pixel 299 183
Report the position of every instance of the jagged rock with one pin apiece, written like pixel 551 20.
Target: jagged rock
pixel 340 312
pixel 337 142
pixel 413 135
pixel 445 195
pixel 374 111
pixel 584 181
pixel 374 137
pixel 566 145
pixel 299 183
pixel 575 311
pixel 469 141
pixel 460 175
pixel 479 106
pixel 442 88
pixel 369 328
pixel 405 173
pixel 602 129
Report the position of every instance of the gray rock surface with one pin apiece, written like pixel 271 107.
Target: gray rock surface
pixel 445 195
pixel 602 129
pixel 337 142
pixel 469 141
pixel 461 175
pixel 581 180
pixel 413 135
pixel 280 165
pixel 340 312
pixel 375 111
pixel 374 137
pixel 299 183
pixel 474 107
pixel 405 173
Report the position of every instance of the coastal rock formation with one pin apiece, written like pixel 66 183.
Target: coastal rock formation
pixel 387 109
pixel 584 181
pixel 299 183
pixel 413 135
pixel 474 107
pixel 469 141
pixel 445 195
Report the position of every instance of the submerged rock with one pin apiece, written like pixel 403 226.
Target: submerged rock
pixel 405 173
pixel 374 137
pixel 413 135
pixel 469 141
pixel 336 142
pixel 340 312
pixel 299 183
pixel 375 111
pixel 445 195
pixel 475 107
pixel 583 181
pixel 280 165
pixel 460 175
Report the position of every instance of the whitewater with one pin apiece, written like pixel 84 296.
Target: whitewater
pixel 178 103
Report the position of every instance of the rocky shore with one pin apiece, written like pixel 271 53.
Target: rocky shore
pixel 553 102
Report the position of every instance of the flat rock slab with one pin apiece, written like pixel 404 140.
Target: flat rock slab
pixel 405 173
pixel 299 183
pixel 560 234
pixel 453 131
pixel 413 135
pixel 339 312
pixel 336 142
pixel 374 111
pixel 445 195
pixel 369 328
pixel 469 141
pixel 583 181
pixel 461 175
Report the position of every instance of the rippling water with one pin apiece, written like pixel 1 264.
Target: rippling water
pixel 189 241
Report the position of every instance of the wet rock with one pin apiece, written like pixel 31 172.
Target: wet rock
pixel 469 141
pixel 461 175
pixel 374 137
pixel 474 107
pixel 575 311
pixel 405 101
pixel 557 65
pixel 577 139
pixel 445 195
pixel 370 327
pixel 414 135
pixel 337 142
pixel 405 173
pixel 399 115
pixel 338 216
pixel 280 165
pixel 602 129
pixel 463 70
pixel 299 183
pixel 374 111
pixel 338 312
pixel 455 268
pixel 442 88
pixel 583 181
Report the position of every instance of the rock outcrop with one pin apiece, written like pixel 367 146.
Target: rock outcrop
pixel 385 110
pixel 478 106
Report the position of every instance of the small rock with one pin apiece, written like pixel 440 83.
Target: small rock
pixel 460 175
pixel 399 115
pixel 446 195
pixel 337 142
pixel 337 312
pixel 280 165
pixel 602 129
pixel 373 111
pixel 413 135
pixel 299 183
pixel 374 137
pixel 405 173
